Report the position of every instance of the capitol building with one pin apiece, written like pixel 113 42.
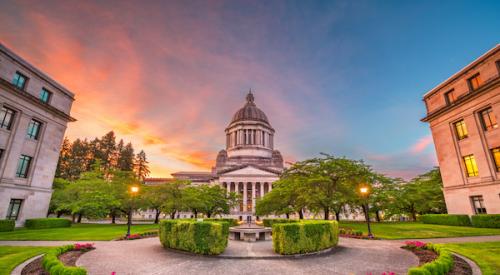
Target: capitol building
pixel 248 165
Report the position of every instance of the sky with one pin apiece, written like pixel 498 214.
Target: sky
pixel 339 77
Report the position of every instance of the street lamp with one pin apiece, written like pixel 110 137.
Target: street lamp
pixel 365 193
pixel 133 191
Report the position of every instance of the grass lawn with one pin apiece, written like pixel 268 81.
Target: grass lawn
pixel 77 232
pixel 486 255
pixel 414 230
pixel 12 256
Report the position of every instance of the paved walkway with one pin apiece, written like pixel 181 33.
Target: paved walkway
pixel 147 256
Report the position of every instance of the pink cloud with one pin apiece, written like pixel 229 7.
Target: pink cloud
pixel 421 145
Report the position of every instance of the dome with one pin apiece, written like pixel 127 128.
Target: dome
pixel 250 112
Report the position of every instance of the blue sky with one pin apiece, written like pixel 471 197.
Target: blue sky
pixel 342 77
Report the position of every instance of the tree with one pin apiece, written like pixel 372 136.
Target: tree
pixel 285 198
pixel 215 200
pixel 193 200
pixel 141 165
pixel 58 200
pixel 126 157
pixel 64 158
pixel 154 197
pixel 174 197
pixel 107 151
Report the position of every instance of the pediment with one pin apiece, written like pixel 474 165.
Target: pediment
pixel 249 171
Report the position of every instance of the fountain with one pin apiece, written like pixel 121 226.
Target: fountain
pixel 250 232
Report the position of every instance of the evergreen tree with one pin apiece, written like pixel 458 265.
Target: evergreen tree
pixel 64 158
pixel 107 150
pixel 141 166
pixel 126 157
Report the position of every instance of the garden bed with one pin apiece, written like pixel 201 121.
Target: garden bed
pixel 426 256
pixel 68 258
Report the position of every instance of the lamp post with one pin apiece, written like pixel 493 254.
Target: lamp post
pixel 133 191
pixel 365 193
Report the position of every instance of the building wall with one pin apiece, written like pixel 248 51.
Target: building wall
pixel 36 189
pixel 458 186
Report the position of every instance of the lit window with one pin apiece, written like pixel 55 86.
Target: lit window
pixel 488 119
pixel 6 118
pixel 461 129
pixel 23 166
pixel 14 209
pixel 449 97
pixel 475 82
pixel 496 156
pixel 45 95
pixel 478 204
pixel 19 80
pixel 34 129
pixel 471 166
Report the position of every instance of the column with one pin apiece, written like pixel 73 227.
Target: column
pixel 253 197
pixel 244 197
pixel 261 185
pixel 228 186
pixel 270 186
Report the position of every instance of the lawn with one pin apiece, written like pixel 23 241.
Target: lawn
pixel 12 256
pixel 77 232
pixel 413 230
pixel 486 255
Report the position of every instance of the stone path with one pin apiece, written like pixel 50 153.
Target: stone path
pixel 147 256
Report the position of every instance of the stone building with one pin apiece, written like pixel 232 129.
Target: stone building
pixel 248 165
pixel 35 111
pixel 462 113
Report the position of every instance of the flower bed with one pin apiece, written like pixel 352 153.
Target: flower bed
pixel 143 235
pixel 347 232
pixel 304 237
pixel 435 261
pixel 201 237
pixel 54 262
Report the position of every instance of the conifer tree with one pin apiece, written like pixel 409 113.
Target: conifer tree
pixel 141 165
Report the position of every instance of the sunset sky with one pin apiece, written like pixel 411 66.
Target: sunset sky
pixel 340 77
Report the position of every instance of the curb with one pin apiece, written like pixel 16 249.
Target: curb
pixel 18 270
pixel 475 268
pixel 325 252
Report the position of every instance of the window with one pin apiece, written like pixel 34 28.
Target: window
pixel 19 80
pixel 34 129
pixel 1 153
pixel 496 157
pixel 478 204
pixel 6 118
pixel 14 209
pixel 45 95
pixel 449 97
pixel 475 82
pixel 471 166
pixel 461 129
pixel 488 119
pixel 23 166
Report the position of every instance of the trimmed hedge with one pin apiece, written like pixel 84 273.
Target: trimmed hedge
pixel 440 266
pixel 486 220
pixel 446 219
pixel 7 225
pixel 270 222
pixel 207 237
pixel 54 266
pixel 304 237
pixel 47 223
pixel 231 222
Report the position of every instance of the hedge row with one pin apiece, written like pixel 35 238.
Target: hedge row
pixel 440 266
pixel 304 237
pixel 482 220
pixel 47 223
pixel 54 266
pixel 486 220
pixel 446 219
pixel 7 225
pixel 231 222
pixel 207 237
pixel 270 222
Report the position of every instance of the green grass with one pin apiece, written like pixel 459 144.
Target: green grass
pixel 486 255
pixel 77 232
pixel 414 230
pixel 12 256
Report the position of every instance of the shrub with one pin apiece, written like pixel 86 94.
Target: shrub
pixel 207 237
pixel 446 219
pixel 47 223
pixel 7 225
pixel 51 263
pixel 270 222
pixel 304 237
pixel 486 220
pixel 440 266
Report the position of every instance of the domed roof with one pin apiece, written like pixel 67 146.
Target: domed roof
pixel 250 111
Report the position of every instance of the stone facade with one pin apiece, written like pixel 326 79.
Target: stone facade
pixel 462 113
pixel 30 127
